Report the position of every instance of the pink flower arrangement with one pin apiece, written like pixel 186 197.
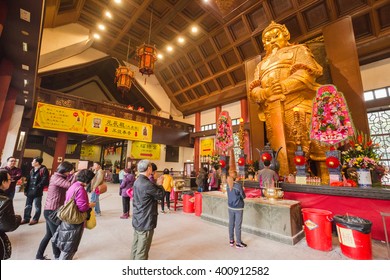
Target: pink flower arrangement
pixel 224 133
pixel 331 123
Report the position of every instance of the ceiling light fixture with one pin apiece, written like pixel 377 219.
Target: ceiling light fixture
pixel 169 48
pixel 194 29
pixel 96 36
pixel 147 54
pixel 181 40
pixel 102 26
pixel 25 47
pixel 108 14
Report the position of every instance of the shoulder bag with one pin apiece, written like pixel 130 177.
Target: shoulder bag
pixel 91 222
pixel 70 213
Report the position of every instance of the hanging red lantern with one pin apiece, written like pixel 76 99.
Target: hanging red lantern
pixel 147 56
pixel 123 78
pixel 222 163
pixel 332 162
pixel 266 156
pixel 299 160
pixel 241 161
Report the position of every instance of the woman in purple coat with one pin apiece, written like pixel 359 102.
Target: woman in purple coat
pixel 127 183
pixel 68 236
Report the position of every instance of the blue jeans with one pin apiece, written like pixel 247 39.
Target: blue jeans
pixel 95 199
pixel 38 208
pixel 235 222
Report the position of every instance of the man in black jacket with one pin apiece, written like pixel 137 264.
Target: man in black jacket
pixel 36 181
pixel 145 201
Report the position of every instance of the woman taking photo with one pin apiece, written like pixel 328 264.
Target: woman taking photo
pixel 60 182
pixel 68 236
pixel 8 220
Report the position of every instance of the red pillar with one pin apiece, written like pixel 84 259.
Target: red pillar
pixel 218 111
pixel 60 151
pixel 197 143
pixel 244 116
pixel 6 69
pixel 5 120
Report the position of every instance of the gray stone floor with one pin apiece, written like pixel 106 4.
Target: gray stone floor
pixel 179 236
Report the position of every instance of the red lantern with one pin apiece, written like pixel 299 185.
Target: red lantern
pixel 266 156
pixel 332 162
pixel 147 56
pixel 241 161
pixel 299 160
pixel 222 163
pixel 123 77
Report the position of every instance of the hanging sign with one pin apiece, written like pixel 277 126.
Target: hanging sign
pixel 142 150
pixel 51 117
pixel 57 118
pixel 206 146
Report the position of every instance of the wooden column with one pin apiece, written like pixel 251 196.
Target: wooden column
pixel 218 111
pixel 5 119
pixel 197 144
pixel 6 69
pixel 244 116
pixel 343 59
pixel 60 150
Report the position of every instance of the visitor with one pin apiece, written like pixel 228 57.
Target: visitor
pixel 68 236
pixel 36 181
pixel 152 177
pixel 15 173
pixel 127 184
pixel 59 183
pixel 95 183
pixel 236 196
pixel 168 184
pixel 267 177
pixel 146 195
pixel 8 220
pixel 201 179
pixel 213 180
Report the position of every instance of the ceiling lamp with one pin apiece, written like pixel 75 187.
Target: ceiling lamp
pixel 147 54
pixel 124 76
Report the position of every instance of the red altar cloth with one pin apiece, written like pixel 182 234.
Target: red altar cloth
pixel 366 208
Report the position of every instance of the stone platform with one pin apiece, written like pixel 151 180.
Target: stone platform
pixel 279 220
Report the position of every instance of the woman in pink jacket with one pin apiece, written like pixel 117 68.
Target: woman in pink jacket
pixel 68 236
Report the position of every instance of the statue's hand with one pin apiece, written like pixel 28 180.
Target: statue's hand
pixel 276 88
pixel 258 94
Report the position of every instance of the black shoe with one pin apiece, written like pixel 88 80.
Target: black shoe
pixel 241 245
pixel 44 258
pixel 231 243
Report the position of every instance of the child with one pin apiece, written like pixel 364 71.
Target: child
pixel 236 204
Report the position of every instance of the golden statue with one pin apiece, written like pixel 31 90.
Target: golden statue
pixel 284 86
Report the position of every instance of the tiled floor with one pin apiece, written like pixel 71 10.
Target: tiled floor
pixel 178 236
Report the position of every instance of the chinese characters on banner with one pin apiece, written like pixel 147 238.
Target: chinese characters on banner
pixel 145 150
pixel 58 118
pixel 206 146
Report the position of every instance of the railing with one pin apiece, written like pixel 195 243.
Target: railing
pixel 107 108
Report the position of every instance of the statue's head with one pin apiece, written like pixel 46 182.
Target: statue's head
pixel 275 36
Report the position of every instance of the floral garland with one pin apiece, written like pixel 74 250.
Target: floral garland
pixel 331 123
pixel 224 133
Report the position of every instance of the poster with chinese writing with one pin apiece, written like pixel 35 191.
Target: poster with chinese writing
pixel 102 125
pixel 58 118
pixel 206 146
pixel 142 150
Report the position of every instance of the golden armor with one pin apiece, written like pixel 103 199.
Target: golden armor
pixel 284 86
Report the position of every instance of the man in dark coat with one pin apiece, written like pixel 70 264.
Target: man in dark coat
pixel 145 201
pixel 16 174
pixel 36 181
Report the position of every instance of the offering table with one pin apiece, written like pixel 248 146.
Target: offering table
pixel 279 220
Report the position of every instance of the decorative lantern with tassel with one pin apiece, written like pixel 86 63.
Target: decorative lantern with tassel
pixel 147 57
pixel 123 79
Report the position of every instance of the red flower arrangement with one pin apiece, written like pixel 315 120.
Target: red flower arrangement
pixel 224 133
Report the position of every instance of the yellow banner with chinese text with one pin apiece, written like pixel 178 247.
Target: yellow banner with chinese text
pixel 206 146
pixel 142 150
pixel 57 118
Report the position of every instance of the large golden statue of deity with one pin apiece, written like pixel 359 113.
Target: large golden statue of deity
pixel 284 86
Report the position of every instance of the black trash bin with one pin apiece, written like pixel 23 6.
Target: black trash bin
pixel 354 236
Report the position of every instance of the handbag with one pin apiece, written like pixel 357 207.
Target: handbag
pixel 70 213
pixel 53 217
pixel 6 246
pixel 129 192
pixel 91 222
pixel 102 188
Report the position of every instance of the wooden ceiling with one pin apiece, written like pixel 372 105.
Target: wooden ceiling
pixel 209 69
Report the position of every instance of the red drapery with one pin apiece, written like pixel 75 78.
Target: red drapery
pixel 365 208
